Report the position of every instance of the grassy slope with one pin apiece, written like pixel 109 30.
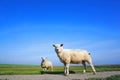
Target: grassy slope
pixel 35 69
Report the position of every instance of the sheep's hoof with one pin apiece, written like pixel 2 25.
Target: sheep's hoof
pixel 84 72
pixel 94 73
pixel 66 74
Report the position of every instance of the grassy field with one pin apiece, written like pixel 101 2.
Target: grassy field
pixel 11 69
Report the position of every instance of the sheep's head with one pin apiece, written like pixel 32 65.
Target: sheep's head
pixel 44 59
pixel 58 47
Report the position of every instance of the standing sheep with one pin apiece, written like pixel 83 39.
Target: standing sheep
pixel 46 64
pixel 68 56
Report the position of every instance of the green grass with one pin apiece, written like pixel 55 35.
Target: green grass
pixel 10 69
pixel 19 69
pixel 113 77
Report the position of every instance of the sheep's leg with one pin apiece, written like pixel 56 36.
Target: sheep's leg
pixel 67 66
pixel 66 69
pixel 90 63
pixel 45 69
pixel 84 65
pixel 94 71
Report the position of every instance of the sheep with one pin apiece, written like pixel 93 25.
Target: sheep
pixel 74 56
pixel 46 64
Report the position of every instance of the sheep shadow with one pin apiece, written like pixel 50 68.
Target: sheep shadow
pixel 55 72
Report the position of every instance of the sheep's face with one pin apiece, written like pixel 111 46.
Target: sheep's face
pixel 58 47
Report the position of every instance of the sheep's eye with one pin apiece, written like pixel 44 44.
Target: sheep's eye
pixel 57 49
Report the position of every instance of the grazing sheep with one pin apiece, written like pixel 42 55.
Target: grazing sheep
pixel 68 56
pixel 46 64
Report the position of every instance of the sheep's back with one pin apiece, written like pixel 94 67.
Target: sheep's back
pixel 46 64
pixel 77 56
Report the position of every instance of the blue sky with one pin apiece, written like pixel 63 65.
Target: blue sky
pixel 28 28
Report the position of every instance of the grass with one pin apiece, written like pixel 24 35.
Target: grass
pixel 113 77
pixel 10 69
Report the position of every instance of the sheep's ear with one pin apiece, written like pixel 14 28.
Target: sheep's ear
pixel 61 45
pixel 53 45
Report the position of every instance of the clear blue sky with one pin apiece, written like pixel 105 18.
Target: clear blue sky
pixel 28 28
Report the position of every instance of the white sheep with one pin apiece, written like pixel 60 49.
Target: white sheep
pixel 76 56
pixel 46 64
